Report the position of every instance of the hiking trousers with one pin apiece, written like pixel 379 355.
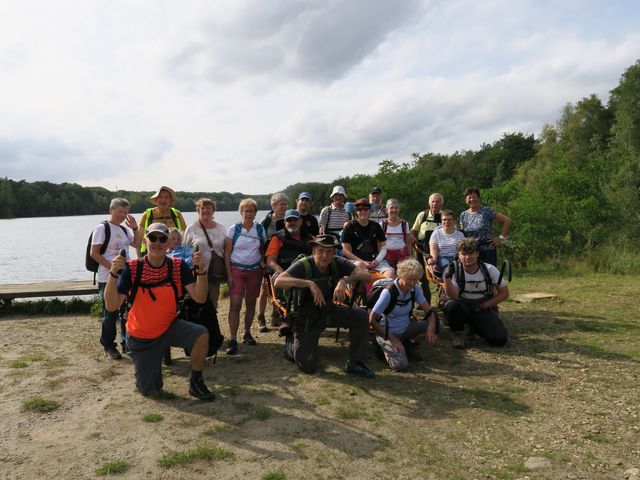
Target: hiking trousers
pixel 302 346
pixel 486 323
pixel 108 331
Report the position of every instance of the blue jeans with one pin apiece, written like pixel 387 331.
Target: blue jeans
pixel 109 320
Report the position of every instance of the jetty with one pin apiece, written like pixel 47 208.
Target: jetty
pixel 9 292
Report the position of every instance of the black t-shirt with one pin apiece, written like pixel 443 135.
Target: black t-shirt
pixel 309 227
pixel 343 268
pixel 364 239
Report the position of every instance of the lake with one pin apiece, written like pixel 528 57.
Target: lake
pixel 53 248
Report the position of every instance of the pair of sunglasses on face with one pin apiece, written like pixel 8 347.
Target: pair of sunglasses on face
pixel 159 238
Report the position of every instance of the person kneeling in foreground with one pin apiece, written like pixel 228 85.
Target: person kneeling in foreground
pixel 315 281
pixel 153 284
pixel 396 308
pixel 474 296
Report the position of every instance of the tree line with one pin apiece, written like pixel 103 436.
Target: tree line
pixel 571 191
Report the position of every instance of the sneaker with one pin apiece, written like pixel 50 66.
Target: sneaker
pixel 359 368
pixel 166 359
pixel 458 339
pixel 247 339
pixel 112 352
pixel 232 347
pixel 198 389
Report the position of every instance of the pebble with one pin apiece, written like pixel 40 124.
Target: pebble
pixel 536 463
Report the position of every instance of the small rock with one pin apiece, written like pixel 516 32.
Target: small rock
pixel 536 463
pixel 632 474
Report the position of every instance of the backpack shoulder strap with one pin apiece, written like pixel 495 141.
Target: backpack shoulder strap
pixel 107 237
pixel 135 284
pixel 394 293
pixel 487 279
pixel 148 217
pixel 176 218
pixel 404 228
pixel 170 265
pixel 237 230
pixel 307 267
pixel 385 225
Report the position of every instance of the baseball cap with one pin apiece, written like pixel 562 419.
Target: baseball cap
pixel 291 213
pixel 305 195
pixel 158 228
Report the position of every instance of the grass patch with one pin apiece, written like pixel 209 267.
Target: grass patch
pixel 152 418
pixel 51 307
pixel 112 467
pixel 323 400
pixel 215 429
pixel 202 452
pixel 277 475
pixel 262 413
pixel 18 364
pixel 39 404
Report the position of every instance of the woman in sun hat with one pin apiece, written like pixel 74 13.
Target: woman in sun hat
pixel 164 198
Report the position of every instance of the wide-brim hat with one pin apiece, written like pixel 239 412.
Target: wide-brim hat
pixel 153 198
pixel 325 240
pixel 338 190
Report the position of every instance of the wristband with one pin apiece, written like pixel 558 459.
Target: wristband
pixel 134 229
pixel 114 275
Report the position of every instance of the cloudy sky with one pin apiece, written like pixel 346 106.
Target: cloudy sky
pixel 252 96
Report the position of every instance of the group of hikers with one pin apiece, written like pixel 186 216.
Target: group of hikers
pixel 359 267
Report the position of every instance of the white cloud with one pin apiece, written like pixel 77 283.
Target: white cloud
pixel 252 96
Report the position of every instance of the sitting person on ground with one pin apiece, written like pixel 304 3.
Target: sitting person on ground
pixel 332 217
pixel 153 284
pixel 272 222
pixel 175 249
pixel 474 290
pixel 243 256
pixel 442 245
pixel 164 198
pixel 364 242
pixel 378 212
pixel 116 237
pixel 477 222
pixel 208 235
pixel 392 315
pixel 314 282
pixel 399 238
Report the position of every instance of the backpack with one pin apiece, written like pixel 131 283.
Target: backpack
pixel 137 282
pixel 376 291
pixel 89 262
pixel 262 234
pixel 455 268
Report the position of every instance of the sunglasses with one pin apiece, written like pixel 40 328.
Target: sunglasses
pixel 160 238
pixel 362 209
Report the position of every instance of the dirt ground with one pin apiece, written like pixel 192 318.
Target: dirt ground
pixel 559 401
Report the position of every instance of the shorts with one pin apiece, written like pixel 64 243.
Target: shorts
pixel 396 256
pixel 246 283
pixel 147 354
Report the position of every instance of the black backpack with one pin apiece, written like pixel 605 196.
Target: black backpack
pixel 375 293
pixel 89 262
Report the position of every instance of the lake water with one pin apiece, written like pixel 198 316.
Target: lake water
pixel 53 248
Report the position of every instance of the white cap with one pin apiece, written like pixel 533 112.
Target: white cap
pixel 338 190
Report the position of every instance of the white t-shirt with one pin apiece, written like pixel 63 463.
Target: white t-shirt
pixel 446 242
pixel 194 235
pixel 117 241
pixel 475 285
pixel 395 237
pixel 246 251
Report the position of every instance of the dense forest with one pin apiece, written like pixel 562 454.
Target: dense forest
pixel 573 191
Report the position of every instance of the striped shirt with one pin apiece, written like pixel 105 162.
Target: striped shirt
pixel 332 219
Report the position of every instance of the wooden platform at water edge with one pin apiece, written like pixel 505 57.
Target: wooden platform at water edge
pixel 10 292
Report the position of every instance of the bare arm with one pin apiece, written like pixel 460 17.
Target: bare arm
pixel 112 298
pixel 502 295
pixel 506 225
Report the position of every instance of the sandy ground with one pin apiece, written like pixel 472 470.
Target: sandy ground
pixel 481 413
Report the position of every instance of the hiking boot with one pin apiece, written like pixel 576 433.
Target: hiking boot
pixel 458 339
pixel 359 368
pixel 112 352
pixel 166 359
pixel 198 389
pixel 232 347
pixel 262 324
pixel 248 339
pixel 125 350
pixel 470 333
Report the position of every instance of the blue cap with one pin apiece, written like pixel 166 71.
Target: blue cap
pixel 305 195
pixel 349 207
pixel 291 213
